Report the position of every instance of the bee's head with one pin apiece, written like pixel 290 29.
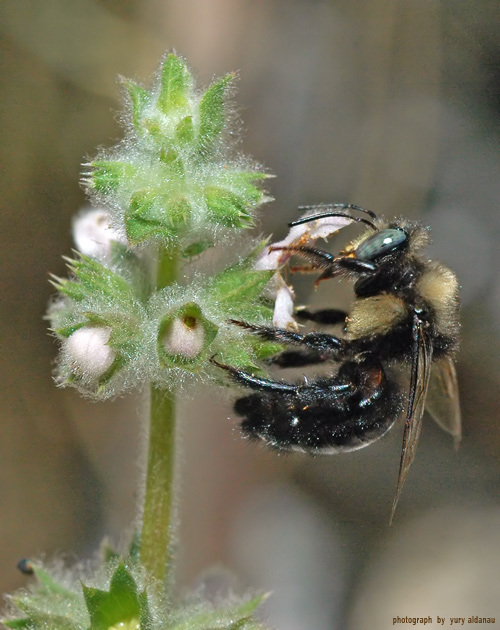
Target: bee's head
pixel 389 241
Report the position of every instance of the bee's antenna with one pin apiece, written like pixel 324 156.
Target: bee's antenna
pixel 340 206
pixel 323 215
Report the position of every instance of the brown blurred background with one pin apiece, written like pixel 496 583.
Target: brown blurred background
pixel 389 104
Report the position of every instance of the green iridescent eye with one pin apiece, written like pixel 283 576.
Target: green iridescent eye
pixel 380 244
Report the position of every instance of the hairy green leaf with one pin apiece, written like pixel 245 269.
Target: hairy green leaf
pixel 175 84
pixel 139 99
pixel 118 605
pixel 212 112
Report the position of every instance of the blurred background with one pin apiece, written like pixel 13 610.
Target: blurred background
pixel 389 104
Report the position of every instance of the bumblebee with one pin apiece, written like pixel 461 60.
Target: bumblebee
pixel 404 320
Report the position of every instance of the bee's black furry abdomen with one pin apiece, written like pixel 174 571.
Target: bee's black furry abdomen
pixel 320 417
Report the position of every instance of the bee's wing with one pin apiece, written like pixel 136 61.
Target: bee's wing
pixel 419 385
pixel 442 401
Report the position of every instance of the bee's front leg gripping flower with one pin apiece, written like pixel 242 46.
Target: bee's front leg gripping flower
pixel 276 255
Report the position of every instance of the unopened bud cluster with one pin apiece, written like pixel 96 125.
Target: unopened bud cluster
pixel 176 175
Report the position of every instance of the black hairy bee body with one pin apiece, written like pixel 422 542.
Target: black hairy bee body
pixel 327 415
pixel 404 319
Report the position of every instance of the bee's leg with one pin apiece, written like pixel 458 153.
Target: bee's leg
pixel 325 316
pixel 316 341
pixel 330 264
pixel 298 358
pixel 266 384
pixel 346 263
pixel 350 263
pixel 318 258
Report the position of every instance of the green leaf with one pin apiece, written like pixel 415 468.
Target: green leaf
pixel 41 620
pixel 242 183
pixel 265 349
pixel 171 158
pixel 139 99
pixel 48 605
pixel 226 208
pixel 93 278
pixel 142 202
pixel 178 211
pixel 249 607
pixel 120 604
pixel 238 355
pixel 132 268
pixel 18 624
pixel 175 84
pixel 49 585
pixel 195 249
pixel 67 331
pixel 212 113
pixel 184 131
pixel 142 222
pixel 255 311
pixel 104 379
pixel 223 618
pixel 139 230
pixel 237 285
pixel 108 175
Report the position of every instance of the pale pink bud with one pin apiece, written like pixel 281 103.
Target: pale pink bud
pixel 185 337
pixel 88 350
pixel 93 233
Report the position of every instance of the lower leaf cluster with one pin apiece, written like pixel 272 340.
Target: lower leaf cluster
pixel 119 597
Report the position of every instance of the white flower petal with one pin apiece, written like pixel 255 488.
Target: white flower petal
pixel 326 226
pixel 92 233
pixel 272 257
pixel 283 306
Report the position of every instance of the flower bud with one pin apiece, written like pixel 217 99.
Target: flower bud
pixel 93 234
pixel 184 337
pixel 88 350
pixel 176 177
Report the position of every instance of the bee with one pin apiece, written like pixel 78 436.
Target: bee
pixel 404 320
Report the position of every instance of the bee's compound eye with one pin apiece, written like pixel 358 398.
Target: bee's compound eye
pixel 380 244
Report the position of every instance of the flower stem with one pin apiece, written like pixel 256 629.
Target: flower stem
pixel 157 523
pixel 157 518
